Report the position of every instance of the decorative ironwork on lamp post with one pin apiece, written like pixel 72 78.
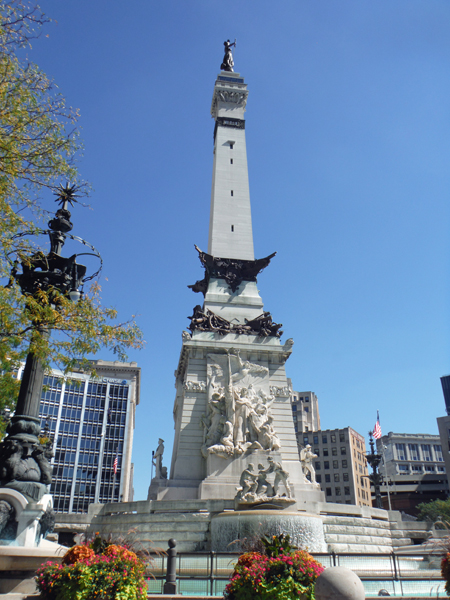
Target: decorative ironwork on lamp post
pixel 24 462
pixel 374 459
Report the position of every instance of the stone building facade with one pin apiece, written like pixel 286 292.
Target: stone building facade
pixel 340 466
pixel 414 470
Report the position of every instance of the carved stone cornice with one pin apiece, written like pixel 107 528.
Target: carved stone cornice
pixel 233 270
pixel 229 94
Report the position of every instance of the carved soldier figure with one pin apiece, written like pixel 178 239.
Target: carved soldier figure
pixel 306 458
pixel 264 487
pixel 157 459
pixel 280 475
pixel 248 483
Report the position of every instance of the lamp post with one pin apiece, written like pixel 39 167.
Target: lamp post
pixel 374 460
pixel 24 462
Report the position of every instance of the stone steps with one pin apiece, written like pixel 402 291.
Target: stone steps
pixel 350 534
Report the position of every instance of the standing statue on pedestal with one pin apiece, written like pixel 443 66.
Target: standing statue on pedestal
pixel 160 471
pixel 306 458
pixel 228 63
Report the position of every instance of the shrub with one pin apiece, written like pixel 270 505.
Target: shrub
pixel 445 571
pixel 95 572
pixel 280 573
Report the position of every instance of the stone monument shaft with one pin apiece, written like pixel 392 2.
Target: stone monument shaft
pixel 233 421
pixel 230 227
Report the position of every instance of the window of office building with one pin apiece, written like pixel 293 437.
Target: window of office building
pixel 328 492
pixel 334 451
pixel 305 439
pixel 333 438
pixel 438 453
pixel 416 468
pixel 426 452
pixel 337 491
pixel 342 437
pixel 345 476
pixel 336 477
pixel 325 440
pixel 326 465
pixel 317 465
pixel 413 451
pixel 401 451
pixel 346 491
pixel 327 478
pixel 429 468
pixel 317 451
pixel 315 439
pixel 344 464
pixel 325 451
pixel 319 478
pixel 343 451
pixel 403 469
pixel 335 464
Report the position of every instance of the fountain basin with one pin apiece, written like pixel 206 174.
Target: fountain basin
pixel 230 529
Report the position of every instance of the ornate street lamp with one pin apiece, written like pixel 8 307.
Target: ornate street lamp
pixel 374 459
pixel 24 462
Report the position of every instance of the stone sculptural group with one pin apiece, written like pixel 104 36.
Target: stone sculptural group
pixel 238 415
pixel 254 487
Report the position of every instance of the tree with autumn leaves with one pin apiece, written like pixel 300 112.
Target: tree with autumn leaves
pixel 38 146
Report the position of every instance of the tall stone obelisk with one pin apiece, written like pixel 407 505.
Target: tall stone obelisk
pixel 232 405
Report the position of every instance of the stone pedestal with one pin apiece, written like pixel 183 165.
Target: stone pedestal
pixel 27 515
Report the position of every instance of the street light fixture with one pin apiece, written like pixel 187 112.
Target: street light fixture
pixel 24 463
pixel 374 460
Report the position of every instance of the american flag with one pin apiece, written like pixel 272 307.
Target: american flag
pixel 116 462
pixel 377 429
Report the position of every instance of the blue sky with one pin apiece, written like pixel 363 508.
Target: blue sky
pixel 348 129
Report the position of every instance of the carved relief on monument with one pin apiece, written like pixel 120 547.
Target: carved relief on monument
pixel 195 386
pixel 255 487
pixel 279 392
pixel 238 414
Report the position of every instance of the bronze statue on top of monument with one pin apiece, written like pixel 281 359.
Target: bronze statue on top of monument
pixel 228 63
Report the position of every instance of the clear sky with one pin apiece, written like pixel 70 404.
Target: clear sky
pixel 348 134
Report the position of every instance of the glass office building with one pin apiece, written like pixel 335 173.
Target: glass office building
pixel 91 422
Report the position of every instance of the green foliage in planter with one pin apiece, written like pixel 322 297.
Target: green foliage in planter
pixel 445 571
pixel 280 573
pixel 116 574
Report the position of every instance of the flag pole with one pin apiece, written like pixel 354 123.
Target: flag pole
pixel 113 486
pixel 115 463
pixel 385 474
pixel 385 466
pixel 378 435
